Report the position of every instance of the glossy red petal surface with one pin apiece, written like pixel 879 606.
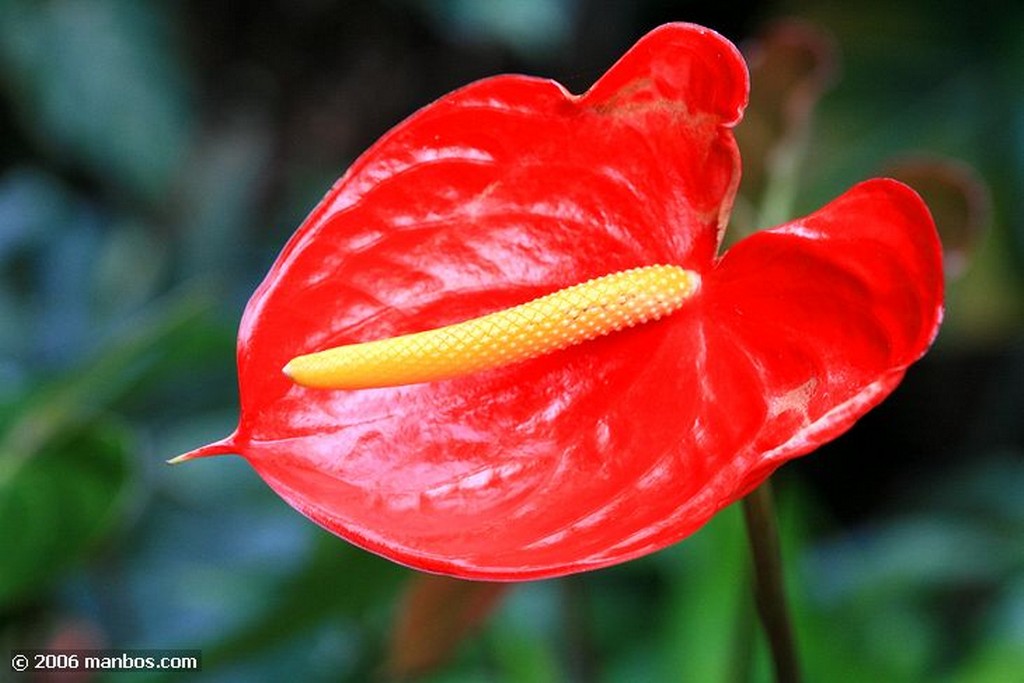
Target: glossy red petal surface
pixel 511 188
pixel 828 311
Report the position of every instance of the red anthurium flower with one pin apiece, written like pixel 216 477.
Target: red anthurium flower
pixel 510 189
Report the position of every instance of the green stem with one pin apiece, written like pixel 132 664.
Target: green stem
pixel 769 592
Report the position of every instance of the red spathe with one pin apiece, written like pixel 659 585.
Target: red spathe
pixel 512 188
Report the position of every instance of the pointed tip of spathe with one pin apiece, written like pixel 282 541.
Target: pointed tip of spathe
pixel 222 447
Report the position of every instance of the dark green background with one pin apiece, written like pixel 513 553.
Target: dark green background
pixel 154 156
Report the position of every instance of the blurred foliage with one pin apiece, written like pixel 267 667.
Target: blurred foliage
pixel 155 156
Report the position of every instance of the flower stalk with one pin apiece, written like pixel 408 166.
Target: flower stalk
pixel 769 589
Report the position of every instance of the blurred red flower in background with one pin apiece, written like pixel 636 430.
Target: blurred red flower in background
pixel 511 188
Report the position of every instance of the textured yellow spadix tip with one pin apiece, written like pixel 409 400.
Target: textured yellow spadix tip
pixel 567 317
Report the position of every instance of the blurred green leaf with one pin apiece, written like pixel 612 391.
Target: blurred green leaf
pixel 220 194
pixel 38 217
pixel 62 464
pixel 526 637
pixel 531 27
pixel 32 204
pixel 994 663
pixel 361 583
pixel 711 621
pixel 831 639
pixel 909 555
pixel 71 401
pixel 524 656
pixel 130 264
pixel 97 81
pixel 999 654
pixel 917 592
pixel 57 504
pixel 985 491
